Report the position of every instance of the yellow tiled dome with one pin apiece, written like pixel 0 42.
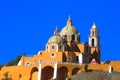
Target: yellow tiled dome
pixel 69 29
pixel 55 39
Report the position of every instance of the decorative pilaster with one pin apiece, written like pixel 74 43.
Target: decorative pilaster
pixel 39 71
pixel 55 71
pixel 80 57
pixel 110 69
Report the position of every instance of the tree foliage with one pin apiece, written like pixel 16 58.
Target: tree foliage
pixel 6 76
pixel 85 67
pixel 1 66
pixel 15 61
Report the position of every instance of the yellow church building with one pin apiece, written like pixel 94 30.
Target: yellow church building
pixel 63 57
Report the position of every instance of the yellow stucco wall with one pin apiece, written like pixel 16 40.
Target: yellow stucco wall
pixel 31 72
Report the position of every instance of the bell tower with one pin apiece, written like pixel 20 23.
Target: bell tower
pixel 94 43
pixel 94 37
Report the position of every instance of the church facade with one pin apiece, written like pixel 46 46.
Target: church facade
pixel 63 56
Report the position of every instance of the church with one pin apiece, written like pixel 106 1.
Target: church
pixel 63 56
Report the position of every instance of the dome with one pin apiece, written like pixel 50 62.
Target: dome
pixel 69 29
pixel 55 39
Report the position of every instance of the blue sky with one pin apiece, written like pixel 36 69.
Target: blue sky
pixel 26 25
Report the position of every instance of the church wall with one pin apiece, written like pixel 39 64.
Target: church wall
pixel 24 72
pixel 105 67
pixel 81 47
pixel 52 56
pixel 115 65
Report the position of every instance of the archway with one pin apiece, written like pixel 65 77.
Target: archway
pixel 75 71
pixel 62 73
pixel 34 73
pixel 47 73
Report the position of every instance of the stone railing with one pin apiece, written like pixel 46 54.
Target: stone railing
pixel 50 62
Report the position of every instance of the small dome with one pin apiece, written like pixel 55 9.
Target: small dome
pixel 94 26
pixel 69 29
pixel 55 39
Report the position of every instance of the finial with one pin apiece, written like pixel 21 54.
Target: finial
pixel 69 22
pixel 56 28
pixel 69 18
pixel 94 25
pixel 56 32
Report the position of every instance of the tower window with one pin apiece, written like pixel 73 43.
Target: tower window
pixel 93 33
pixel 92 42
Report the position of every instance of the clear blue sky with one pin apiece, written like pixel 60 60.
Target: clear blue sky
pixel 26 25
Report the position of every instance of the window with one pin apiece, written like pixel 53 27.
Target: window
pixel 65 37
pixel 77 60
pixel 92 42
pixel 27 63
pixel 73 37
pixel 52 55
pixel 47 47
pixel 53 47
pixel 59 47
pixel 69 58
pixel 93 33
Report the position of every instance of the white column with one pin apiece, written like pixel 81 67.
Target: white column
pixel 96 42
pixel 48 48
pixel 110 69
pixel 55 71
pixel 57 47
pixel 80 58
pixel 39 71
pixel 89 41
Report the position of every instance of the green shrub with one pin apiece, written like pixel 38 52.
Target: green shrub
pixel 85 68
pixel 6 76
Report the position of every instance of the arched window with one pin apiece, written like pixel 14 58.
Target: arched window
pixel 65 37
pixel 73 37
pixel 92 42
pixel 93 33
